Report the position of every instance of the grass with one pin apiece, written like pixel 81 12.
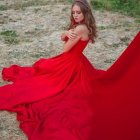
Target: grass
pixel 137 21
pixel 125 40
pixel 20 4
pixel 70 1
pixel 109 60
pixel 3 7
pixel 10 36
pixel 127 7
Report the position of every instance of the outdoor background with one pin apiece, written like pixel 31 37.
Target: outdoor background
pixel 31 29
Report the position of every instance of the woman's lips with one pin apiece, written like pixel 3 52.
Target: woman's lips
pixel 76 18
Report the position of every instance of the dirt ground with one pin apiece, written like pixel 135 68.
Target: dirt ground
pixel 38 30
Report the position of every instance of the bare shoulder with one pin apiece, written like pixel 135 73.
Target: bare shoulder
pixel 82 28
pixel 82 31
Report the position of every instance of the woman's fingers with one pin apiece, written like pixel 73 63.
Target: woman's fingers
pixel 73 35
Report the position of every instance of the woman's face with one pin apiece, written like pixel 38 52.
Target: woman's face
pixel 77 14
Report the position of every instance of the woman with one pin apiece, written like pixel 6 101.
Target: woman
pixel 82 25
pixel 51 96
pixel 65 97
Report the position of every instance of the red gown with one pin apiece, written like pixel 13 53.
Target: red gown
pixel 66 98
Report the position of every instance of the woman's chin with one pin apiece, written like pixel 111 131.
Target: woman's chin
pixel 78 22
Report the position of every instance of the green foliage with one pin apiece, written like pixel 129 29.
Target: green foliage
pixel 137 20
pixel 10 36
pixel 97 4
pixel 3 7
pixel 128 7
pixel 70 1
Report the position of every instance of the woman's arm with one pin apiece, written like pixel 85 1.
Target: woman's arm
pixel 70 34
pixel 71 42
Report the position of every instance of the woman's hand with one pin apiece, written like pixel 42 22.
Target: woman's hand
pixel 71 34
pixel 74 37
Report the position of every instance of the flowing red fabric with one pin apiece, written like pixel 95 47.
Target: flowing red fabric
pixel 66 98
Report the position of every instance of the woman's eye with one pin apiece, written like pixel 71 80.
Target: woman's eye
pixel 78 12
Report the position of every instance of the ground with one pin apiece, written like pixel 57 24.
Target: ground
pixel 36 33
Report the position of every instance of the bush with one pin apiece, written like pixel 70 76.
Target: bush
pixel 128 7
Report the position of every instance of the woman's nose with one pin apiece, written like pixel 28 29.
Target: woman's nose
pixel 75 15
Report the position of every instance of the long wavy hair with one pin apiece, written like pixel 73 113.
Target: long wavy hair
pixel 89 19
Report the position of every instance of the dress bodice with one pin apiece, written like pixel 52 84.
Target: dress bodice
pixel 79 46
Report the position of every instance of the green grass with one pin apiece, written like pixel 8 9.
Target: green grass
pixel 127 7
pixel 70 1
pixel 137 21
pixel 10 36
pixel 3 7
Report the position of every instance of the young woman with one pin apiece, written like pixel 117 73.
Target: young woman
pixel 82 25
pixel 66 98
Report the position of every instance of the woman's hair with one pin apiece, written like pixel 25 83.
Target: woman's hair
pixel 89 19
